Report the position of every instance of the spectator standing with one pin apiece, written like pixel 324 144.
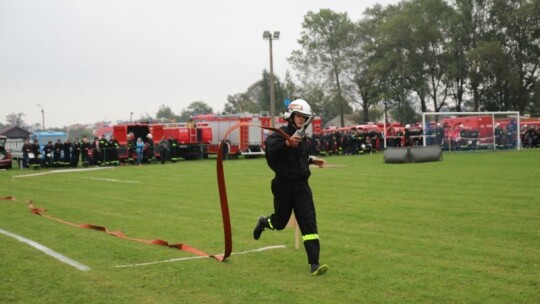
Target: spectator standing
pixel 76 153
pixel 86 147
pixel 48 151
pixel 163 149
pixel 26 151
pixel 139 147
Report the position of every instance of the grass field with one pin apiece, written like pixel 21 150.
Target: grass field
pixel 464 230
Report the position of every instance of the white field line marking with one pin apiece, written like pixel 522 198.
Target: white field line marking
pixel 48 251
pixel 62 171
pixel 201 257
pixel 112 180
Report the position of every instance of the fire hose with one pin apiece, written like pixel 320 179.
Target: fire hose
pixel 223 189
pixel 119 234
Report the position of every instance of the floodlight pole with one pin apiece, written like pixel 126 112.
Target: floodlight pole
pixel 42 116
pixel 268 36
pixel 130 117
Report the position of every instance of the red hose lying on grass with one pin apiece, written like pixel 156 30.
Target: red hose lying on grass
pixel 119 234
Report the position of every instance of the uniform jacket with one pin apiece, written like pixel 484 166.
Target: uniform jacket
pixel 291 164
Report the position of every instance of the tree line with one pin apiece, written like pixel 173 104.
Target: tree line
pixel 415 56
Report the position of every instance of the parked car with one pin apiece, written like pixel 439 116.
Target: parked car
pixel 5 155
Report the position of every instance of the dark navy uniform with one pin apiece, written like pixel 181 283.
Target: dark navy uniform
pixel 86 149
pixel 291 189
pixel 57 154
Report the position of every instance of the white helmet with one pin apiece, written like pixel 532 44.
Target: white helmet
pixel 298 106
pixel 407 126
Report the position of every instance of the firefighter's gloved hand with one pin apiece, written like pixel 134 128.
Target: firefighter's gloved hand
pixel 293 141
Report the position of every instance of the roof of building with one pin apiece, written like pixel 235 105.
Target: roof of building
pixel 14 132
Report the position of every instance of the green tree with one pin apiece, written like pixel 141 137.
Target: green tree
pixel 257 97
pixel 195 108
pixel 241 103
pixel 144 118
pixel 468 26
pixel 492 65
pixel 15 119
pixel 78 132
pixel 361 72
pixel 405 112
pixel 517 26
pixel 166 114
pixel 325 41
pixel 386 56
pixel 321 103
pixel 418 37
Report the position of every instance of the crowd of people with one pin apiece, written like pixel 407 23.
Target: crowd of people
pixel 359 141
pixel 351 142
pixel 100 151
pixel 530 136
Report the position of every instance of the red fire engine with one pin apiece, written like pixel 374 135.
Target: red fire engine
pixel 246 140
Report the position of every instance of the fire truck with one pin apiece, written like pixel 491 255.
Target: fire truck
pixel 193 139
pixel 477 129
pixel 246 140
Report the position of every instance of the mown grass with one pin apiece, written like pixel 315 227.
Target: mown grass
pixel 464 230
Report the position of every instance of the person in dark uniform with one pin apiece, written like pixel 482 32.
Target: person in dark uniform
pixel 499 136
pixel 26 151
pixel 57 154
pixel 465 143
pixel 67 149
pixel 173 147
pixel 76 153
pixel 96 152
pixel 86 147
pixel 361 141
pixel 104 148
pixel 131 147
pixel 48 151
pixel 113 145
pixel 149 148
pixel 407 135
pixel 163 149
pixel 36 150
pixel 397 139
pixel 290 160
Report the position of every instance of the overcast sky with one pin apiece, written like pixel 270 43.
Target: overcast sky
pixel 88 61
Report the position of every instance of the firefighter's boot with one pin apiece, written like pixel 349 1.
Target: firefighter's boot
pixel 262 223
pixel 317 269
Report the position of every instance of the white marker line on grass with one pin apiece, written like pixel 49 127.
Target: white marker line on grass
pixel 48 251
pixel 62 171
pixel 201 257
pixel 112 180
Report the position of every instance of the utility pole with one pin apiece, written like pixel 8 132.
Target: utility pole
pixel 42 116
pixel 268 36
